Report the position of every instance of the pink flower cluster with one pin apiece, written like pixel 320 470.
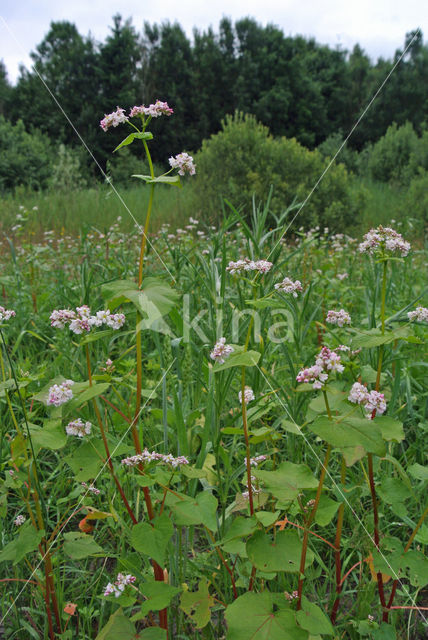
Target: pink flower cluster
pixel 154 110
pixel 184 163
pixel 420 314
pixel 262 266
pixel 78 428
pixel 288 286
pixel 113 119
pixel 327 362
pixel 340 318
pixel 384 239
pixel 6 314
pixel 151 456
pixel 254 462
pixel 90 488
pixel 81 320
pixel 372 401
pixel 221 351
pixel 248 395
pixel 19 520
pixel 119 586
pixel 60 393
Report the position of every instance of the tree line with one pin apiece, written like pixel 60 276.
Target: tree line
pixel 294 85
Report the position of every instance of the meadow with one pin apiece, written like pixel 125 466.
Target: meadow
pixel 212 430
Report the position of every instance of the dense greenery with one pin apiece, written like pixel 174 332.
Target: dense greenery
pixel 293 85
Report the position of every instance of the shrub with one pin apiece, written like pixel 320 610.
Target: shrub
pixel 390 156
pixel 417 197
pixel 244 159
pixel 25 158
pixel 67 171
pixel 349 157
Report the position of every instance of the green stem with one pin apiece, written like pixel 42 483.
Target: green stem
pixel 337 559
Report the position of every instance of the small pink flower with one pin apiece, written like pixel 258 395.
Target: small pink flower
pixel 221 351
pixel 248 395
pixel 184 163
pixel 113 119
pixel 340 318
pixel 154 110
pixel 60 393
pixel 288 286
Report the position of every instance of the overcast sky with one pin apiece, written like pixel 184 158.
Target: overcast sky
pixel 378 25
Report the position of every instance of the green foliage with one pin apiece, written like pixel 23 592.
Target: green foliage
pixel 66 171
pixel 25 158
pixel 391 154
pixel 243 160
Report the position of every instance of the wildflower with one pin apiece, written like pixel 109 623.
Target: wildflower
pixel 116 320
pixel 70 608
pixel 342 276
pixel 221 351
pixel 291 596
pixel 262 266
pixel 151 456
pixel 90 488
pixel 327 362
pixel 118 587
pixel 254 462
pixel 109 368
pixel 288 286
pixel 60 393
pixel 78 428
pixel 248 395
pixel 60 317
pixel 154 110
pixel 6 314
pixel 420 314
pixel 340 318
pixel 79 325
pixel 384 239
pixel 372 401
pixel 19 520
pixel 184 163
pixel 113 119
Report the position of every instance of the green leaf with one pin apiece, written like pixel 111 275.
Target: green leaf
pixel 267 518
pixel 95 336
pixel 79 545
pixel 350 432
pixel 412 565
pixel 159 596
pixel 198 510
pixel 286 482
pixel 240 528
pixel 152 633
pixel 281 553
pixel 418 471
pixel 391 429
pixel 385 632
pixel 141 135
pixel 86 460
pixel 375 337
pixel 262 616
pixel 239 359
pixel 393 490
pixel 326 510
pixel 153 540
pixel 197 604
pixel 79 399
pixel 26 541
pixel 174 181
pixel 51 436
pixel 118 627
pixel 313 619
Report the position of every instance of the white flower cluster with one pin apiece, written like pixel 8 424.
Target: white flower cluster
pixel 221 351
pixel 327 362
pixel 254 490
pixel 151 456
pixel 262 266
pixel 113 119
pixel 60 393
pixel 78 428
pixel 155 110
pixel 81 320
pixel 370 400
pixel 288 286
pixel 420 314
pixel 6 314
pixel 118 587
pixel 254 462
pixel 342 276
pixel 184 163
pixel 19 520
pixel 384 239
pixel 90 488
pixel 248 395
pixel 340 318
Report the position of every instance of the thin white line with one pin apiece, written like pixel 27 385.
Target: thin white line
pixel 83 496
pixel 87 148
pixel 341 492
pixel 344 142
